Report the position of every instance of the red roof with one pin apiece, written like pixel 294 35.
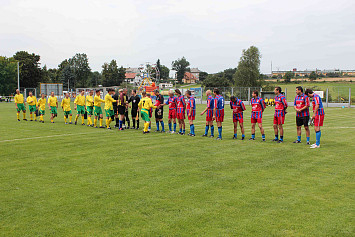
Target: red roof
pixel 130 75
pixel 189 75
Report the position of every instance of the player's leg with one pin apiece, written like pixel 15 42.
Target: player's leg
pixel 252 130
pixel 308 133
pixel 24 113
pixel 276 130
pixel 212 128
pixel 157 120
pixel 241 125
pixel 183 125
pixel 219 125
pixel 174 121
pixel 235 126
pixel 260 125
pixel 281 129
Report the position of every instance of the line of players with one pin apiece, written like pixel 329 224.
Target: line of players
pixel 116 107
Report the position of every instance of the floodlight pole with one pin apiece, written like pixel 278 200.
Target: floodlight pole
pixel 18 75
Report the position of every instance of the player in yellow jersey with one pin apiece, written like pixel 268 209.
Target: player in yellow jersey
pixel 97 109
pixel 66 108
pixel 145 105
pixel 53 105
pixel 32 105
pixel 20 105
pixel 79 105
pixel 42 107
pixel 90 107
pixel 109 107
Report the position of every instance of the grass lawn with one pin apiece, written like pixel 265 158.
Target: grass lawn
pixel 58 179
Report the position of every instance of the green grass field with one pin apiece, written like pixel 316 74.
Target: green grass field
pixel 58 179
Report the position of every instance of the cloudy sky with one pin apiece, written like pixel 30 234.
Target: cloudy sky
pixel 211 34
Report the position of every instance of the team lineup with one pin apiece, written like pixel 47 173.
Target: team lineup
pixel 116 109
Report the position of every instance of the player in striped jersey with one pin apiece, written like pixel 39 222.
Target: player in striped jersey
pixel 258 107
pixel 280 112
pixel 191 112
pixel 172 110
pixel 318 115
pixel 301 106
pixel 181 106
pixel 238 107
pixel 218 111
pixel 209 114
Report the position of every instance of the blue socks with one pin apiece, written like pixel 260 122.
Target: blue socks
pixel 180 131
pixel 298 138
pixel 282 138
pixel 277 137
pixel 253 135
pixel 170 127
pixel 263 136
pixel 206 129
pixel 174 127
pixel 220 132
pixel 212 131
pixel 192 129
pixel 235 135
pixel 307 139
pixel 243 136
pixel 318 135
pixel 120 124
pixel 157 123
pixel 162 126
pixel 183 131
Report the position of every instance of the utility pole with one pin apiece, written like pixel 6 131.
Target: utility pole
pixel 18 75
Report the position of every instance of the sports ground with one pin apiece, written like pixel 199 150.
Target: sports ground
pixel 58 179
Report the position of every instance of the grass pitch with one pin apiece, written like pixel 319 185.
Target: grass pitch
pixel 58 179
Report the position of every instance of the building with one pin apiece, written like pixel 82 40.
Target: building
pixel 189 78
pixel 133 78
pixel 196 73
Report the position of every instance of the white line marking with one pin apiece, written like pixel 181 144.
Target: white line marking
pixel 58 135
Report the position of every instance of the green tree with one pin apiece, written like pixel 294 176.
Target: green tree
pixel 30 70
pixel 8 75
pixel 202 76
pixel 110 74
pixel 164 73
pixel 82 70
pixel 68 75
pixel 216 80
pixel 180 66
pixel 288 76
pixel 95 79
pixel 313 76
pixel 248 70
pixel 121 75
pixel 229 74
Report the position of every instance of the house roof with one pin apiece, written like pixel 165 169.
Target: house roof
pixel 130 75
pixel 189 75
pixel 194 70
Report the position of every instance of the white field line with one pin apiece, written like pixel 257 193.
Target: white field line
pixel 58 135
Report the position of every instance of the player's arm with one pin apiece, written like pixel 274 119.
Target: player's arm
pixel 57 103
pixel 75 101
pixel 262 103
pixel 15 100
pixel 151 104
pixel 62 104
pixel 242 105
pixel 49 104
pixel 307 104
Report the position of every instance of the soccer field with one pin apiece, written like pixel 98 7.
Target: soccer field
pixel 58 179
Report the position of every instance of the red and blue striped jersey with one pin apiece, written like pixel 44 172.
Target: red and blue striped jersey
pixel 257 105
pixel 191 104
pixel 210 102
pixel 300 102
pixel 317 101
pixel 280 105
pixel 219 102
pixel 237 106
pixel 181 104
pixel 171 102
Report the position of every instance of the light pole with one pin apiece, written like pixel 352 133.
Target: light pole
pixel 18 75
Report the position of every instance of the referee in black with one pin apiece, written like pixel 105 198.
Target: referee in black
pixel 115 109
pixel 126 118
pixel 134 111
pixel 159 110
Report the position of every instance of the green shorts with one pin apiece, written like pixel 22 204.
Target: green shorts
pixel 54 110
pixel 42 112
pixel 21 107
pixel 32 108
pixel 97 110
pixel 66 113
pixel 109 112
pixel 145 115
pixel 80 109
pixel 89 109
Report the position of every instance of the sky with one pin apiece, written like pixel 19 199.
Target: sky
pixel 210 34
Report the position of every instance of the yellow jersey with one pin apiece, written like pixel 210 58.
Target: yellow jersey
pixel 146 103
pixel 32 100
pixel 98 101
pixel 80 100
pixel 108 102
pixel 89 100
pixel 52 101
pixel 42 104
pixel 19 99
pixel 66 104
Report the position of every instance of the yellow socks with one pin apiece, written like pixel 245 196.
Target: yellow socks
pixel 41 117
pixel 89 121
pixel 35 116
pixel 18 116
pixel 82 119
pixel 31 117
pixel 24 115
pixel 76 118
pixel 108 121
pixel 51 120
pixel 95 122
pixel 65 119
pixel 146 126
pixel 70 117
pixel 101 122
